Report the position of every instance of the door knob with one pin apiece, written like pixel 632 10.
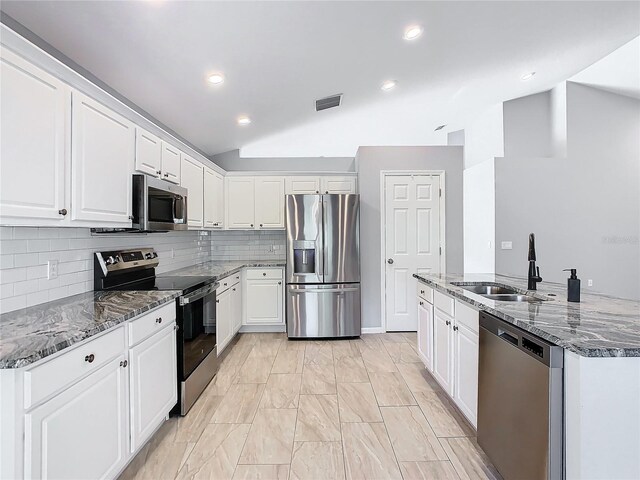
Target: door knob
pixel 390 261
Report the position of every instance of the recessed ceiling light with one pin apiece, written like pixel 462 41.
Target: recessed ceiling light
pixel 388 85
pixel 216 78
pixel 527 76
pixel 244 120
pixel 413 32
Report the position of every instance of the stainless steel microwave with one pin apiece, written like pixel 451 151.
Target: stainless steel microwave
pixel 158 205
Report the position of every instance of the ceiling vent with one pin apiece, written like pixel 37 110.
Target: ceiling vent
pixel 328 102
pixel 440 127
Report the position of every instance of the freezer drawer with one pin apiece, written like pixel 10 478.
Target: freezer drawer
pixel 329 310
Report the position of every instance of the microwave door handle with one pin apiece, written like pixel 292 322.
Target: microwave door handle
pixel 175 215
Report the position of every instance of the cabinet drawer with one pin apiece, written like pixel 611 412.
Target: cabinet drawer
pixel 151 322
pixel 260 273
pixel 467 316
pixel 445 303
pixel 425 292
pixel 44 380
pixel 227 282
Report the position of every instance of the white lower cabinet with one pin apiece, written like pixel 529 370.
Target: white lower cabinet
pixel 264 296
pixel 84 413
pixel 228 310
pixel 152 383
pixel 236 307
pixel 448 344
pixel 82 432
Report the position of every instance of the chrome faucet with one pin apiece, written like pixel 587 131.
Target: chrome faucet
pixel 534 272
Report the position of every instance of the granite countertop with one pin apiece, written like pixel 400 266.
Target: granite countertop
pixel 599 326
pixel 222 269
pixel 30 334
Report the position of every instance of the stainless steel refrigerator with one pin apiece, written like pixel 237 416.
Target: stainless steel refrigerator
pixel 323 265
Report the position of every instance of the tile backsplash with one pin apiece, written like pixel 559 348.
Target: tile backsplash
pixel 25 252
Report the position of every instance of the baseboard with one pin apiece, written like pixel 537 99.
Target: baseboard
pixel 262 328
pixel 372 330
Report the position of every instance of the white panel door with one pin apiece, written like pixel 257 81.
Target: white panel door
pixel 148 153
pixel 412 243
pixel 153 380
pixel 170 163
pixel 213 199
pixel 302 185
pixel 81 433
pixel 466 371
pixel 344 184
pixel 236 307
pixel 240 204
pixel 269 200
pixel 224 322
pixel 192 178
pixel 33 131
pixel 425 333
pixel 102 160
pixel 264 302
pixel 442 350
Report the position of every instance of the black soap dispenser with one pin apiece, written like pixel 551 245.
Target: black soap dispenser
pixel 573 286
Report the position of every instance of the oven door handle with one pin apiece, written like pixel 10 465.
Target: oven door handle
pixel 198 294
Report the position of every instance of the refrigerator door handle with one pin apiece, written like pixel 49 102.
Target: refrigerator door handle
pixel 299 291
pixel 320 242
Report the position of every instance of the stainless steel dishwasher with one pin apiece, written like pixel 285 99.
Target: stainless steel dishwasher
pixel 520 401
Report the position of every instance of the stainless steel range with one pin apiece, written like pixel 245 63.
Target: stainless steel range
pixel 195 314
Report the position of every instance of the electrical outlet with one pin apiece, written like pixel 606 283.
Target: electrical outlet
pixel 589 283
pixel 52 269
pixel 506 245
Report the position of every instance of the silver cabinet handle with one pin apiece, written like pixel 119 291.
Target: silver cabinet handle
pixel 390 261
pixel 62 212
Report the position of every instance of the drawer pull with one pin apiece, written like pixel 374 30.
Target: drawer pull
pixel 124 364
pixel 159 320
pixel 448 322
pixel 455 328
pixel 90 358
pixel 225 284
pixel 233 289
pixel 62 212
pixel 279 283
pixel 264 274
pixel 422 292
pixel 421 303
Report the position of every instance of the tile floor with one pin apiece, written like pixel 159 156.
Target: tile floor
pixel 345 409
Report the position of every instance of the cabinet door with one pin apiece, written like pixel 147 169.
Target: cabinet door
pixel 34 128
pixel 192 178
pixel 302 185
pixel 224 323
pixel 148 153
pixel 236 307
pixel 170 163
pixel 425 333
pixel 264 302
pixel 466 371
pixel 442 350
pixel 219 200
pixel 346 184
pixel 153 383
pixel 102 160
pixel 213 199
pixel 269 202
pixel 240 203
pixel 81 433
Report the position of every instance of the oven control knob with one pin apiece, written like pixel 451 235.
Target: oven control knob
pixel 148 256
pixel 111 260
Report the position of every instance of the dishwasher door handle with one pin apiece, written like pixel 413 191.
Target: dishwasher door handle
pixel 508 336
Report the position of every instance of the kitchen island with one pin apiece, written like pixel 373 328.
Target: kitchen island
pixel 601 341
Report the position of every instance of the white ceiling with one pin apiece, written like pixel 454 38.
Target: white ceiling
pixel 279 56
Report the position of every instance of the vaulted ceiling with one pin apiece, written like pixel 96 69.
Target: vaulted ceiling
pixel 278 57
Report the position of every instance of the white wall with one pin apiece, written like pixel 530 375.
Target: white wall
pixel 232 161
pixel 484 137
pixel 479 218
pixel 527 126
pixel 370 161
pixel 585 209
pixel 25 251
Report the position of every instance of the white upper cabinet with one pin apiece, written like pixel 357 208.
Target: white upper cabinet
pixel 240 205
pixel 192 178
pixel 33 127
pixel 213 199
pixel 341 184
pixel 302 185
pixel 148 153
pixel 269 200
pixel 102 159
pixel 170 163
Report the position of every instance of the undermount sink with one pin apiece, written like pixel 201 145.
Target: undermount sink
pixel 489 289
pixel 498 292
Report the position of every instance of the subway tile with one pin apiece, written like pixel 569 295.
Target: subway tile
pixel 6 261
pixel 60 244
pixel 37 271
pixel 12 275
pixel 23 288
pixel 48 232
pixel 38 245
pixel 13 246
pixel 37 298
pixel 13 303
pixel 6 290
pixel 25 233
pixel 25 259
